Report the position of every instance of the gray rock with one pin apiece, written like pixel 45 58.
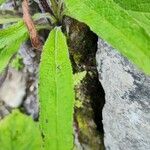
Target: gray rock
pixel 126 114
pixel 31 60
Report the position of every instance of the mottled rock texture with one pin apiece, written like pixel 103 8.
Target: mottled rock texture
pixel 126 114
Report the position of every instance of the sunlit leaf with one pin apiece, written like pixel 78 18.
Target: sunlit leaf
pixel 56 93
pixel 117 26
pixel 11 39
pixel 78 77
pixel 19 132
pixel 135 5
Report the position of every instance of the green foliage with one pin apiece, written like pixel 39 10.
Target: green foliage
pixel 139 10
pixel 2 1
pixel 56 94
pixel 19 132
pixel 17 63
pixel 8 16
pixel 136 5
pixel 78 77
pixel 10 40
pixel 124 24
pixel 78 103
pixel 127 33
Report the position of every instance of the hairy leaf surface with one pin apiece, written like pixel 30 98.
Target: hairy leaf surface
pixel 19 132
pixel 56 93
pixel 136 5
pixel 119 28
pixel 139 10
pixel 10 40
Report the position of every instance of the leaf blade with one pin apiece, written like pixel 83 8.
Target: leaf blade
pixel 116 26
pixel 10 40
pixel 19 132
pixel 56 93
pixel 135 5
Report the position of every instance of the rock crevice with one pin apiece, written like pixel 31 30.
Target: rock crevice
pixel 126 114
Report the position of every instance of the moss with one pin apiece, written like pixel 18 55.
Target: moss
pixel 82 47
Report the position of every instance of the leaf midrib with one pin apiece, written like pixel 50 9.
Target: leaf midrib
pixel 56 90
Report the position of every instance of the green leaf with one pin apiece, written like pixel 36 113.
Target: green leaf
pixel 56 93
pixel 116 26
pixel 136 5
pixel 17 63
pixel 19 132
pixel 10 40
pixel 11 16
pixel 139 10
pixel 8 16
pixel 78 77
pixel 2 1
pixel 143 19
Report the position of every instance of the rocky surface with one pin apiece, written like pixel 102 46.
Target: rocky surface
pixel 31 59
pixel 87 118
pixel 126 114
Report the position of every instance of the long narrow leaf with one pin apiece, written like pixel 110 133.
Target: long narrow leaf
pixel 56 94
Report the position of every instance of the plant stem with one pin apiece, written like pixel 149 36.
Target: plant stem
pixel 34 37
